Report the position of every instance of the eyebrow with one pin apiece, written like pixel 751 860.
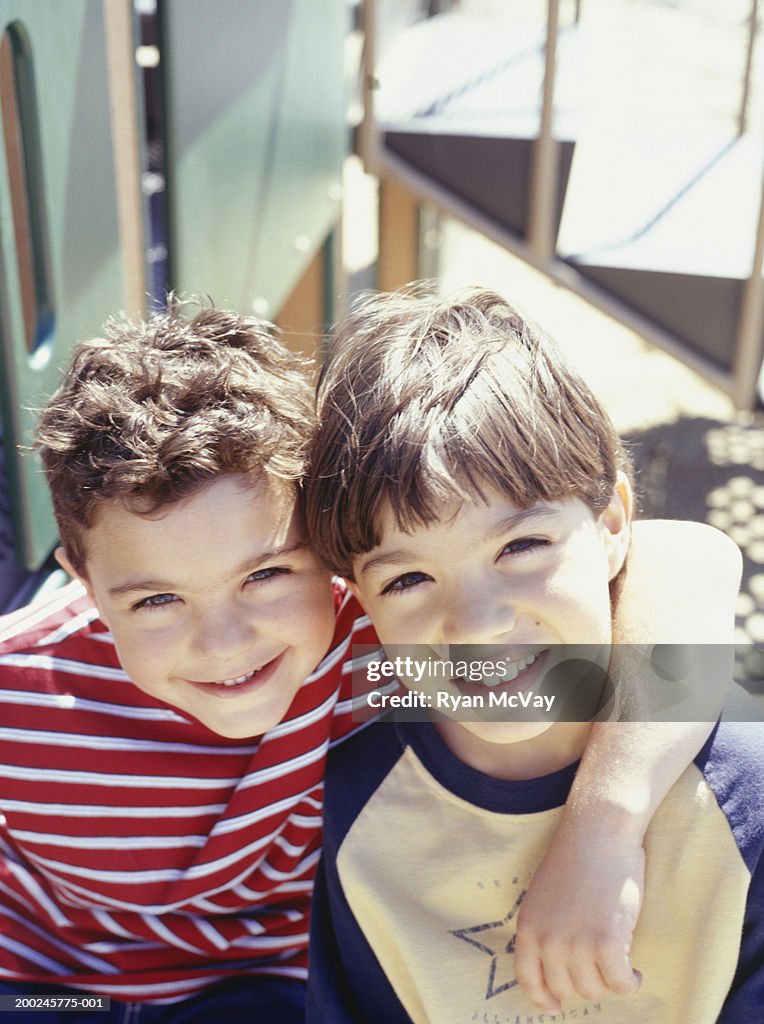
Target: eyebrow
pixel 524 516
pixel 166 586
pixel 507 523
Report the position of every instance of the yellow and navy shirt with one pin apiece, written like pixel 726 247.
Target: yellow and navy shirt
pixel 426 863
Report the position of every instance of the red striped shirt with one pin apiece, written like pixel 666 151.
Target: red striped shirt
pixel 143 856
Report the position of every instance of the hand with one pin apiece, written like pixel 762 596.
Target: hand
pixel 576 922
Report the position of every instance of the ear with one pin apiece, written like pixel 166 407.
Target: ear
pixel 63 560
pixel 616 524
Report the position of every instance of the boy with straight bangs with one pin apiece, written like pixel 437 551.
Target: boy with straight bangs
pixel 470 488
pixel 165 718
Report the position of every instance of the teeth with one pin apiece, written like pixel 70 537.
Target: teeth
pixel 513 670
pixel 239 679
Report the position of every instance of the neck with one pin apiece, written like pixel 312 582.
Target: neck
pixel 559 745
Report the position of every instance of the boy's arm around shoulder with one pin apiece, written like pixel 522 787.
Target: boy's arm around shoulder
pixel 576 923
pixel 681 585
pixel 680 590
pixel 679 593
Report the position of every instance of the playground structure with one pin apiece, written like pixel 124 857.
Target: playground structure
pixel 611 145
pixel 198 146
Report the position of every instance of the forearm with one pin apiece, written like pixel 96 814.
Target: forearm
pixel 671 660
pixel 672 666
pixel 680 587
pixel 626 771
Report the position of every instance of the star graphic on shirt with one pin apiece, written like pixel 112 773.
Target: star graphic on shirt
pixel 491 938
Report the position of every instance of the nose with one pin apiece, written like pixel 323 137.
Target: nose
pixel 225 635
pixel 476 615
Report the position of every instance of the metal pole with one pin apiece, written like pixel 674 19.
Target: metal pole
pixel 545 162
pixel 748 344
pixel 752 24
pixel 367 135
pixel 18 183
pixel 119 28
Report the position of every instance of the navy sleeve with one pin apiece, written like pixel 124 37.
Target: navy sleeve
pixel 344 973
pixel 731 761
pixel 745 1002
pixel 343 969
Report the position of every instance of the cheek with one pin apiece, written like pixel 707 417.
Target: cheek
pixel 583 576
pixel 583 610
pixel 144 654
pixel 400 626
pixel 312 612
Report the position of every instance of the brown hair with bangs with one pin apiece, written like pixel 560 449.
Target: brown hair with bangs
pixel 155 410
pixel 424 401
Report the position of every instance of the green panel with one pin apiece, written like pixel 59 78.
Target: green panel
pixel 256 118
pixel 76 179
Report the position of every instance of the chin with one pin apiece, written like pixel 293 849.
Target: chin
pixel 242 725
pixel 502 733
pixel 242 729
pixel 234 732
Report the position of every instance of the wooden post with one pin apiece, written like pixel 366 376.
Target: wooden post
pixel 398 261
pixel 302 315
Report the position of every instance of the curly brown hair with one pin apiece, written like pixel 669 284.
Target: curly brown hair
pixel 155 410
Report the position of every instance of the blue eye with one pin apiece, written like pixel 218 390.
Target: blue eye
pixel 263 575
pixel 155 601
pixel 405 581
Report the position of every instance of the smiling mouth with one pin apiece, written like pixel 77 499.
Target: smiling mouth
pixel 235 682
pixel 512 670
pixel 238 681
